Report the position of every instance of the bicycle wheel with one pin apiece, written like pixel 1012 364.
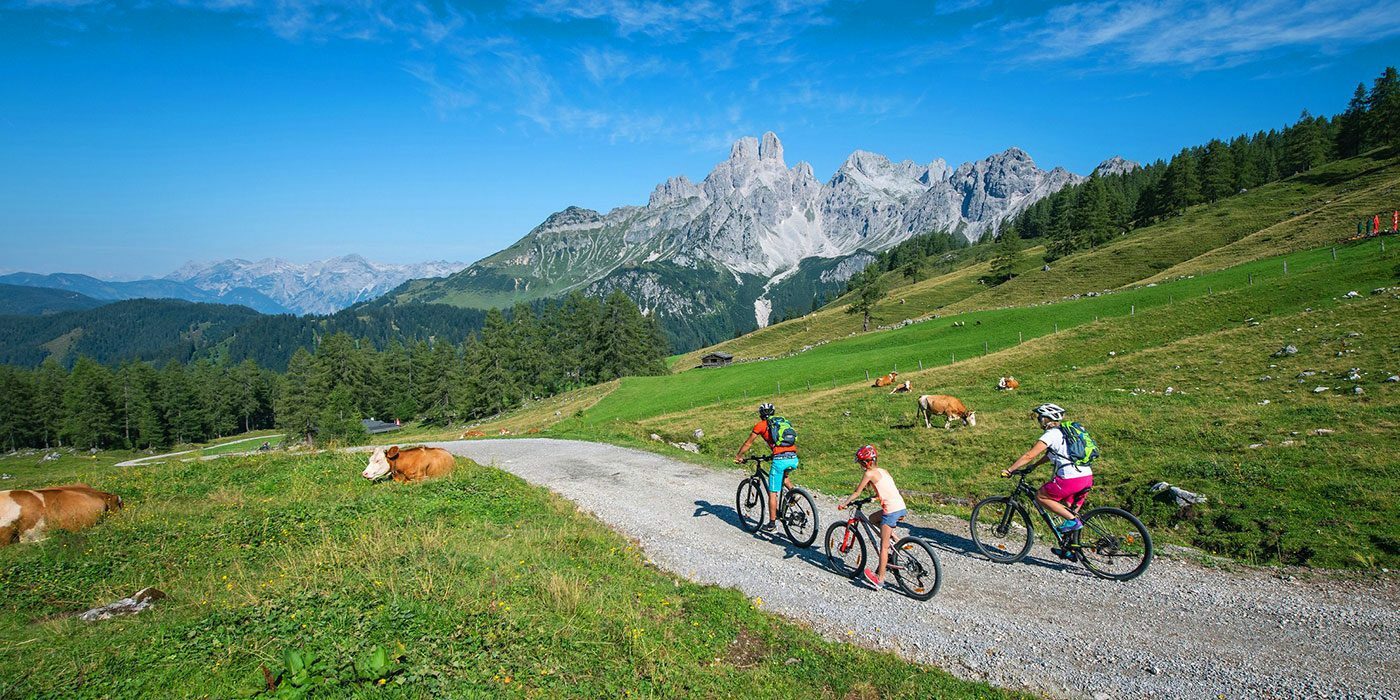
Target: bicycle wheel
pixel 1001 529
pixel 919 573
pixel 845 549
pixel 800 517
pixel 750 502
pixel 1113 544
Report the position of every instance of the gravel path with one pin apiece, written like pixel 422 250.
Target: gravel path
pixel 1179 631
pixel 155 458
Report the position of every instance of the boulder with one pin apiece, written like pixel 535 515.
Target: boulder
pixel 141 600
pixel 655 437
pixel 1319 390
pixel 1286 350
pixel 1393 378
pixel 1357 390
pixel 1351 295
pixel 1183 497
pixel 698 433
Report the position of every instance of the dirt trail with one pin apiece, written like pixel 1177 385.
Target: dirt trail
pixel 1179 631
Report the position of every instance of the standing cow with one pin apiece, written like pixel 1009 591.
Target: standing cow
pixel 28 515
pixel 411 464
pixel 948 406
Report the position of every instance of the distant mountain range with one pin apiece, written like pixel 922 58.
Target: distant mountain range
pixel 717 257
pixel 269 286
pixel 320 287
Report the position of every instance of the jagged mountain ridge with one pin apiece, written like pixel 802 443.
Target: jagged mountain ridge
pixel 753 225
pixel 318 287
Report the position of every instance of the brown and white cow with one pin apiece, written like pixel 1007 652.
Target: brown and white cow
pixel 1008 384
pixel 950 407
pixel 903 388
pixel 886 380
pixel 411 464
pixel 26 515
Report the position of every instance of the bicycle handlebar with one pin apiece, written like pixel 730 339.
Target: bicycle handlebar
pixel 759 458
pixel 860 501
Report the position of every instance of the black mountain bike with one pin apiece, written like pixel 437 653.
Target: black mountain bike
pixel 913 561
pixel 1113 544
pixel 796 509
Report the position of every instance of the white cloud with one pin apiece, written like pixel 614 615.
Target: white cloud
pixel 1201 35
pixel 606 65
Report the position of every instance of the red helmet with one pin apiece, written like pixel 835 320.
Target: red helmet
pixel 867 454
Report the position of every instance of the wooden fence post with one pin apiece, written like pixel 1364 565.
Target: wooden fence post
pixel 1285 267
pixel 1019 339
pixel 921 365
pixel 1334 253
pixel 1132 310
pixel 867 375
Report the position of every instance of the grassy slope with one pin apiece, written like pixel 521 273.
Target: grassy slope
pixel 1305 211
pixel 1268 504
pixel 480 583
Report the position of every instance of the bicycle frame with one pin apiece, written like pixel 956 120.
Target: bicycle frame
pixel 761 474
pixel 1027 492
pixel 860 520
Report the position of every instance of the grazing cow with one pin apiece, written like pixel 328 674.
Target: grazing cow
pixel 886 380
pixel 412 464
pixel 948 406
pixel 904 388
pixel 28 515
pixel 1008 384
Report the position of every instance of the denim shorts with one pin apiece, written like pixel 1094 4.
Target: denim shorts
pixel 890 519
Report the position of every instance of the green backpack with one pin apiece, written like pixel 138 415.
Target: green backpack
pixel 781 432
pixel 1080 448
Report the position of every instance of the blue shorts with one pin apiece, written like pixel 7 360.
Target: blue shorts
pixel 890 519
pixel 781 464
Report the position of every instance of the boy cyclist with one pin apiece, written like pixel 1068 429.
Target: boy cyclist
pixel 1069 478
pixel 784 461
pixel 892 508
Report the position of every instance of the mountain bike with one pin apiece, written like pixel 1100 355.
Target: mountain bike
pixel 1113 544
pixel 796 509
pixel 915 565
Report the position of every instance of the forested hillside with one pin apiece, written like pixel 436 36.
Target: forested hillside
pixel 326 392
pixel 16 300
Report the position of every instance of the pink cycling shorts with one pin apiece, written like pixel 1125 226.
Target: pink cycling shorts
pixel 1062 489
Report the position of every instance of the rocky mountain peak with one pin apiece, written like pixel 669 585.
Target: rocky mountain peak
pixel 1117 165
pixel 770 148
pixel 675 189
pixel 746 148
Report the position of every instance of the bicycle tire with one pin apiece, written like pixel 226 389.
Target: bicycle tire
pixel 920 573
pixel 999 539
pixel 801 526
pixel 750 504
pixel 850 562
pixel 1113 534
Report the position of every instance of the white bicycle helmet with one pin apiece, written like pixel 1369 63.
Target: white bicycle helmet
pixel 766 411
pixel 1048 411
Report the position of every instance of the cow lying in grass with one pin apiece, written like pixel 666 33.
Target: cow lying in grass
pixel 904 388
pixel 886 380
pixel 28 515
pixel 1008 383
pixel 948 406
pixel 411 464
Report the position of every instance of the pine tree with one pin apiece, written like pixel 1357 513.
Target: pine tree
pixel 51 383
pixel 339 420
pixel 16 392
pixel 88 409
pixel 442 385
pixel 1008 257
pixel 180 403
pixel 1182 185
pixel 868 293
pixel 1383 110
pixel 297 403
pixel 1217 172
pixel 245 393
pixel 1303 146
pixel 1351 125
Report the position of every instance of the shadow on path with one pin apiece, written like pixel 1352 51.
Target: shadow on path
pixel 812 555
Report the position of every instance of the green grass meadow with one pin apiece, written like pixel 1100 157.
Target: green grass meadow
pixel 1295 499
pixel 477 585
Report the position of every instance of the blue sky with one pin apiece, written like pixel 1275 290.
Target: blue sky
pixel 136 136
